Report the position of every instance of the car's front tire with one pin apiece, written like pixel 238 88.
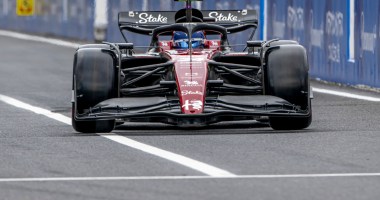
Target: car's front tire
pixel 94 80
pixel 293 123
pixel 100 126
pixel 286 76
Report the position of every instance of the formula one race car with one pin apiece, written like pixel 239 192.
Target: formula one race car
pixel 193 78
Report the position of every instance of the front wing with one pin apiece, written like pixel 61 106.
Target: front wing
pixel 216 109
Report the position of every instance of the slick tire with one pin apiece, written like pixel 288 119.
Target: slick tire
pixel 94 80
pixel 294 123
pixel 286 76
pixel 101 126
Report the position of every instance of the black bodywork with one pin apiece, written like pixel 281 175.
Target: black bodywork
pixel 270 78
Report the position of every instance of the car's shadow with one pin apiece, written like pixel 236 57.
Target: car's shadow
pixel 225 128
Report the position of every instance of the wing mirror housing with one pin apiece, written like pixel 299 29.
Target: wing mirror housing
pixel 127 46
pixel 253 44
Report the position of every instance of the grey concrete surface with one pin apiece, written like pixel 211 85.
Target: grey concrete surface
pixel 344 138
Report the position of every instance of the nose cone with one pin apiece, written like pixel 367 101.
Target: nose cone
pixel 191 81
pixel 191 96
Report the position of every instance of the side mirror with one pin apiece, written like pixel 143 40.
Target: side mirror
pixel 127 46
pixel 253 44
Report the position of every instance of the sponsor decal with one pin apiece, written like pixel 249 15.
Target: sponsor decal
pixel 316 37
pixel 368 39
pixel 193 105
pixel 149 18
pixel 189 62
pixel 334 23
pixel 193 59
pixel 193 67
pixel 191 84
pixel 191 74
pixel 295 18
pixel 220 17
pixel 188 92
pixel 333 52
pixel 194 77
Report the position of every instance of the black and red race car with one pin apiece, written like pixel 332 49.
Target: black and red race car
pixel 190 76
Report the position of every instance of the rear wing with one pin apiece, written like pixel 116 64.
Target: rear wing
pixel 145 22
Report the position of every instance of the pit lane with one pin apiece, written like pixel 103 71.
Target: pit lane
pixel 343 139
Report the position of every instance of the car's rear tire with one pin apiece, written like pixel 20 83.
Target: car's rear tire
pixel 286 76
pixel 95 79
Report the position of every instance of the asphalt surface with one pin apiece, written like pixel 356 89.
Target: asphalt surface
pixel 344 138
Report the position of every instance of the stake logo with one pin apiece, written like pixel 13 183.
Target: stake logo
pixel 220 17
pixel 191 84
pixel 149 18
pixel 188 92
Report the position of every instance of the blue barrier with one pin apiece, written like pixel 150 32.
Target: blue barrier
pixel 319 26
pixel 336 37
pixel 323 27
pixel 316 46
pixel 368 41
pixel 276 19
pixel 65 18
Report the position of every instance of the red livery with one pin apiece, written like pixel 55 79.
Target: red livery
pixel 191 78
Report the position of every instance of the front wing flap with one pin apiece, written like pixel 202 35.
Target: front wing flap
pixel 169 110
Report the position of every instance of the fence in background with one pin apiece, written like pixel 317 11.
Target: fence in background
pixel 64 18
pixel 324 27
pixel 367 42
pixel 342 37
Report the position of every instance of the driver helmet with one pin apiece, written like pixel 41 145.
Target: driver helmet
pixel 180 40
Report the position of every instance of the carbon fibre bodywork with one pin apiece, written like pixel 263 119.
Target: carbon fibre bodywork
pixel 192 87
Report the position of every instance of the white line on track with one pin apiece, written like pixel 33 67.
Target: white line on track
pixel 38 39
pixel 185 161
pixel 346 94
pixel 37 110
pixel 127 178
pixel 188 162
